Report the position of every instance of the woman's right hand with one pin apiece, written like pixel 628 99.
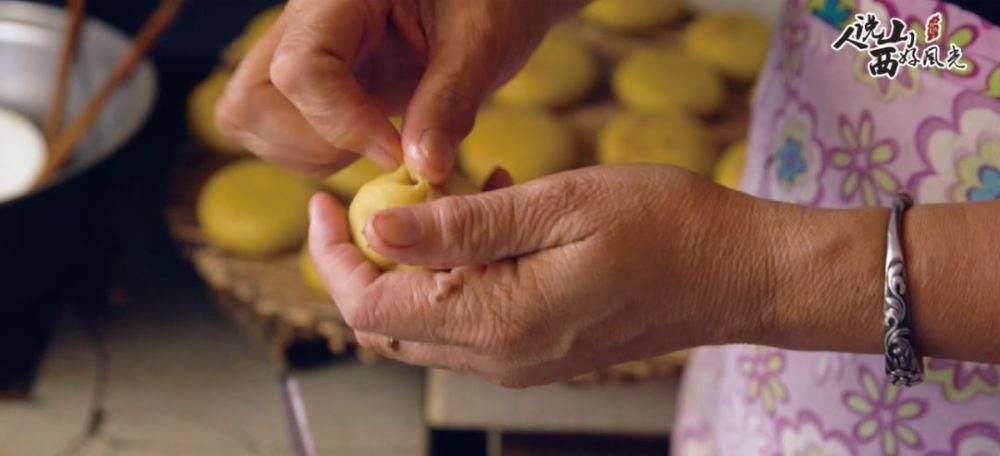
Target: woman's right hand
pixel 319 88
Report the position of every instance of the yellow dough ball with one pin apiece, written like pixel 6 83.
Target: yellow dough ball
pixel 308 271
pixel 528 143
pixel 656 80
pixel 255 30
pixel 634 15
pixel 396 189
pixel 669 138
pixel 201 115
pixel 734 43
pixel 397 121
pixel 562 71
pixel 254 208
pixel 346 182
pixel 729 170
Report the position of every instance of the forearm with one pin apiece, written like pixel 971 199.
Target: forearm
pixel 829 278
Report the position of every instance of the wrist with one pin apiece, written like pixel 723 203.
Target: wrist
pixel 827 273
pixel 741 252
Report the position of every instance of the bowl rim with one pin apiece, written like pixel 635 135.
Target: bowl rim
pixel 145 74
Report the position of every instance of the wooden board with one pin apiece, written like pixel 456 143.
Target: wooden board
pixel 462 401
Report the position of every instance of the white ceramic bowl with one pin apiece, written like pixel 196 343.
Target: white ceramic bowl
pixel 31 38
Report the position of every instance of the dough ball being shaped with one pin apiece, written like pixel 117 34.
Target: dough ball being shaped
pixel 673 139
pixel 735 43
pixel 253 33
pixel 346 182
pixel 657 79
pixel 308 271
pixel 201 115
pixel 729 170
pixel 396 189
pixel 634 15
pixel 528 143
pixel 22 154
pixel 562 71
pixel 253 208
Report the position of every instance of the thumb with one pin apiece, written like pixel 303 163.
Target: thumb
pixel 467 230
pixel 443 108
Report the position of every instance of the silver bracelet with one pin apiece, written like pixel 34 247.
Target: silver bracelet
pixel 903 363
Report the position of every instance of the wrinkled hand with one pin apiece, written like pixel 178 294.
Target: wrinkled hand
pixel 543 281
pixel 319 88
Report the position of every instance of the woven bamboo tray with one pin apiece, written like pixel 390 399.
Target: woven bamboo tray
pixel 267 298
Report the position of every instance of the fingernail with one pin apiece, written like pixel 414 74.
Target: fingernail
pixel 315 206
pixel 436 151
pixel 398 228
pixel 384 158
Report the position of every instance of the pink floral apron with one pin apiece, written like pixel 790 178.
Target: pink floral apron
pixel 826 133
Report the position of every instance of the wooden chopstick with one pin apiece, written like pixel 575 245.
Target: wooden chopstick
pixel 53 120
pixel 63 144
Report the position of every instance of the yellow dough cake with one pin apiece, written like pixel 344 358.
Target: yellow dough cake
pixel 254 208
pixel 528 143
pixel 563 70
pixel 201 115
pixel 634 15
pixel 308 271
pixel 735 43
pixel 657 79
pixel 675 139
pixel 729 170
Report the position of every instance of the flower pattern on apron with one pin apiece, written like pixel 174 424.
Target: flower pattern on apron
pixel 824 133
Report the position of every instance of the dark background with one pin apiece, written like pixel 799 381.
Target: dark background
pixel 201 30
pixel 128 260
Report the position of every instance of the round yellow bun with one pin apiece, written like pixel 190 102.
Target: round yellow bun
pixel 656 79
pixel 255 30
pixel 563 70
pixel 729 170
pixel 346 182
pixel 396 189
pixel 675 139
pixel 308 271
pixel 528 143
pixel 254 208
pixel 634 15
pixel 735 43
pixel 201 115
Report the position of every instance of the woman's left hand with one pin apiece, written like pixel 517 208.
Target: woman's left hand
pixel 556 277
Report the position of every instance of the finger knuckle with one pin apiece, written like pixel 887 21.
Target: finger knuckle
pixel 460 102
pixel 561 197
pixel 562 204
pixel 286 69
pixel 355 317
pixel 231 115
pixel 458 221
pixel 360 316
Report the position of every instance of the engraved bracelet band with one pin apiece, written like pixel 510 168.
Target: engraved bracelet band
pixel 903 364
